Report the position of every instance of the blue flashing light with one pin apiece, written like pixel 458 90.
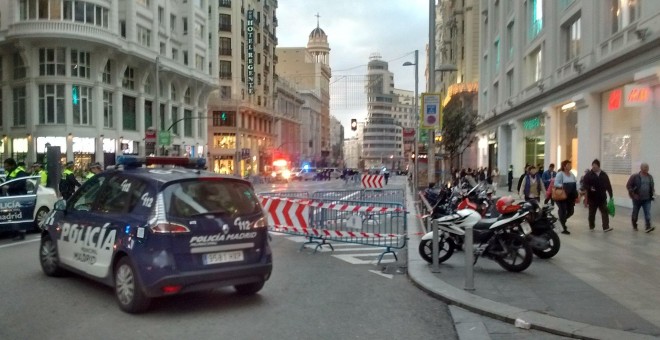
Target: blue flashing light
pixel 306 166
pixel 127 229
pixel 130 161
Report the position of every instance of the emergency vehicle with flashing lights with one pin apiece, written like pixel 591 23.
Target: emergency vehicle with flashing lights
pixel 24 201
pixel 150 229
pixel 281 172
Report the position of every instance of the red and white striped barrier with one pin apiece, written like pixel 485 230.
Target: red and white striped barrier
pixel 372 181
pixel 331 233
pixel 285 212
pixel 333 206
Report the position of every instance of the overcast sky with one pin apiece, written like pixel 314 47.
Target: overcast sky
pixel 356 29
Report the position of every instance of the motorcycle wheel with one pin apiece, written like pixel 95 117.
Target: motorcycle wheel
pixel 446 246
pixel 553 245
pixel 518 253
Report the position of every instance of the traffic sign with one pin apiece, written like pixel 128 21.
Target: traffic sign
pixel 164 138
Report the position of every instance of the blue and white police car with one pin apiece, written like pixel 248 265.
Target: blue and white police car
pixel 156 231
pixel 25 202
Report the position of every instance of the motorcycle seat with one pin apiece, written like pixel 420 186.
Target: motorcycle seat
pixel 484 224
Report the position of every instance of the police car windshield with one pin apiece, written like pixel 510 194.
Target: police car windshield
pixel 210 197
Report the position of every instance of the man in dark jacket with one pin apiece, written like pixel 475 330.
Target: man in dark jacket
pixel 597 185
pixel 641 190
pixel 68 183
pixel 522 177
pixel 509 177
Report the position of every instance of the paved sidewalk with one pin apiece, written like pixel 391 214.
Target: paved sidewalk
pixel 599 286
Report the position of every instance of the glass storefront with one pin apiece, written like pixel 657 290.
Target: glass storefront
pixel 534 133
pixel 620 143
pixel 567 148
pixel 223 165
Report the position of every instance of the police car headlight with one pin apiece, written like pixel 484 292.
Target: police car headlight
pixel 260 223
pixel 273 174
pixel 286 174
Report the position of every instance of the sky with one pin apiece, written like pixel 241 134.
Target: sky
pixel 356 29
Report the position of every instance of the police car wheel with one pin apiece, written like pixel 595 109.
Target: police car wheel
pixel 42 213
pixel 48 257
pixel 250 288
pixel 130 296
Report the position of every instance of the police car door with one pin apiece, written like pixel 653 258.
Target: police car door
pixel 18 199
pixel 79 241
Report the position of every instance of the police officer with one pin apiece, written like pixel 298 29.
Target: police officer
pixel 94 169
pixel 38 170
pixel 68 183
pixel 13 172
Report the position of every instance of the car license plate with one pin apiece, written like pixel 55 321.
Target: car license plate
pixel 223 257
pixel 527 229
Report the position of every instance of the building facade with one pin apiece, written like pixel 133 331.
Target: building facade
pixel 88 77
pixel 308 70
pixel 336 142
pixel 572 80
pixel 352 152
pixel 288 122
pixel 246 96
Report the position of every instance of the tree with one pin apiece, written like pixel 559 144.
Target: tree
pixel 459 125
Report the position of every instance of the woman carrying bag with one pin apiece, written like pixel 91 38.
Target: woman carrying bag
pixel 564 193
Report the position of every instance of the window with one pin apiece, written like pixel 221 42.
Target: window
pixel 189 198
pixel 84 198
pixel 175 54
pixel 129 79
pixel 572 36
pixel 199 62
pixel 224 46
pixel 51 104
pixel 187 97
pixel 496 51
pixel 225 69
pixel 509 83
pixel 19 108
pixel 107 72
pixel 225 92
pixel 535 10
pixel 163 49
pixel 108 115
pixel 19 67
pixel 224 118
pixel 82 105
pixel 173 92
pixel 80 64
pixel 161 16
pixel 187 123
pixel 115 199
pixel 199 31
pixel 129 121
pixel 144 3
pixel 623 12
pixel 148 114
pixel 198 3
pixel 122 28
pixel 172 23
pixel 535 66
pixel 185 26
pixel 174 118
pixel 185 58
pixel 509 40
pixel 224 23
pixel 52 61
pixel 144 36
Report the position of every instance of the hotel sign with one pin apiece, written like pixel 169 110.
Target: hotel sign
pixel 250 50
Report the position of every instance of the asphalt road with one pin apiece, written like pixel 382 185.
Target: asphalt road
pixel 309 296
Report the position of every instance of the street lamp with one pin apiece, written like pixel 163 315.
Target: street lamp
pixel 415 110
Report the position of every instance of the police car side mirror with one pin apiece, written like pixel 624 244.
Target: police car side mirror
pixel 60 205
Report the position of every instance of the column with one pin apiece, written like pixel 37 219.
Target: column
pixel 650 131
pixel 588 107
pixel 551 136
pixel 503 149
pixel 517 149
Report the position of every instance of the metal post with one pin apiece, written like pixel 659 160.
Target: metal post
pixel 436 248
pixel 416 110
pixel 469 259
pixel 431 89
pixel 156 118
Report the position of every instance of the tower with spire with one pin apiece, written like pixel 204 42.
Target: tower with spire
pixel 318 45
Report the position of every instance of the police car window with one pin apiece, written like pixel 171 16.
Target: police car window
pixel 120 195
pixel 84 198
pixel 16 187
pixel 198 197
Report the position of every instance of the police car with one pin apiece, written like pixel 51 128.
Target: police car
pixel 23 201
pixel 151 232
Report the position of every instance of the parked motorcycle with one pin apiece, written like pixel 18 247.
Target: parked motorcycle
pixel 500 239
pixel 543 238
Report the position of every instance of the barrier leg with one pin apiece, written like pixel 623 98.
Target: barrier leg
pixel 387 251
pixel 469 259
pixel 317 243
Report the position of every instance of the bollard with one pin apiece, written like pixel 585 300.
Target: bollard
pixel 436 248
pixel 469 258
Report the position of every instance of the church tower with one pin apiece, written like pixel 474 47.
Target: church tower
pixel 318 45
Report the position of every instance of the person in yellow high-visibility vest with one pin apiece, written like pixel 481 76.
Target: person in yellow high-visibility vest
pixel 38 170
pixel 94 169
pixel 68 183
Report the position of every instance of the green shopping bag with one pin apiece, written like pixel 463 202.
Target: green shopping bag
pixel 610 207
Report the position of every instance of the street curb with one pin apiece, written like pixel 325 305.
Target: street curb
pixel 420 274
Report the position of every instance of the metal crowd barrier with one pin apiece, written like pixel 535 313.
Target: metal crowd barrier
pixel 371 195
pixel 338 195
pixel 287 194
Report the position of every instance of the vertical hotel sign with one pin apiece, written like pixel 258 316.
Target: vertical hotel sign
pixel 431 114
pixel 250 50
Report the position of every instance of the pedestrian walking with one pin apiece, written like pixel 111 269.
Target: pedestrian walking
pixel 547 176
pixel 532 188
pixel 641 190
pixel 565 185
pixel 522 177
pixel 597 185
pixel 495 177
pixel 387 176
pixel 509 177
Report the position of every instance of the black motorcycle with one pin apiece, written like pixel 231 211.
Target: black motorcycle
pixel 543 238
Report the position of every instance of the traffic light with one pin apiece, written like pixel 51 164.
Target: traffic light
pixel 223 116
pixel 354 124
pixel 75 95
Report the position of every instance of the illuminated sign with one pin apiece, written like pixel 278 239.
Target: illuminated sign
pixel 636 95
pixel 250 50
pixel 614 101
pixel 431 112
pixel 532 123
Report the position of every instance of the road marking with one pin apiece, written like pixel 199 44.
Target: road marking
pixel 352 258
pixel 19 243
pixel 389 276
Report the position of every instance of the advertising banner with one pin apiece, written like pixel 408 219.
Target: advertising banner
pixel 431 111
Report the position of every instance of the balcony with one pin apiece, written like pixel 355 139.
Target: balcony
pixel 63 29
